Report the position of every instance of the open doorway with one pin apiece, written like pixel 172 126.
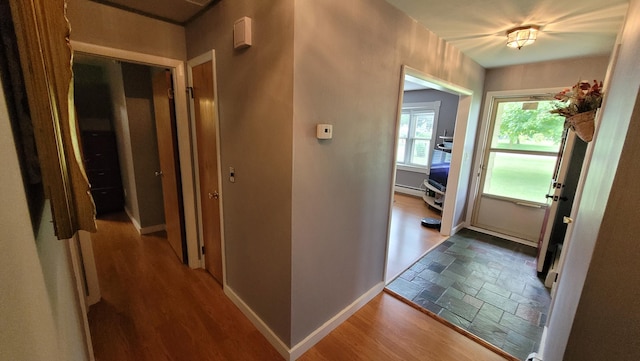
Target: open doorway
pixel 429 111
pixel 177 68
pixel 523 141
pixel 126 119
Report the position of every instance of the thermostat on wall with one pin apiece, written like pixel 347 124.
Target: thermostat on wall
pixel 324 131
pixel 242 33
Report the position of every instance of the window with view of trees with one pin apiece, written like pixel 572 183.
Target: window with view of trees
pixel 523 151
pixel 415 139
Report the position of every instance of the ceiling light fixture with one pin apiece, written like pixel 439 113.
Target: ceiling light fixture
pixel 522 36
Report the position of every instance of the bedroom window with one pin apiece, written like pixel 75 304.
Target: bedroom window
pixel 418 123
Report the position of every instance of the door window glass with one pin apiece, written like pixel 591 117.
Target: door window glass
pixel 524 148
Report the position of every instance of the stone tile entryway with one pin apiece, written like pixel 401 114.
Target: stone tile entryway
pixel 483 284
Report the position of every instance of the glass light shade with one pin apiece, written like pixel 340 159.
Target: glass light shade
pixel 522 36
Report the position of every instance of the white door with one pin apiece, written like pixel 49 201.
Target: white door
pixel 522 146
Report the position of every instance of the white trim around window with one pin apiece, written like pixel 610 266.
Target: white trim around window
pixel 409 139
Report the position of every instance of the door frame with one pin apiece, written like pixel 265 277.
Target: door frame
pixel 198 60
pixel 483 132
pixel 463 140
pixel 183 125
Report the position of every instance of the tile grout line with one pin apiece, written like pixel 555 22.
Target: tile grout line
pixel 458 254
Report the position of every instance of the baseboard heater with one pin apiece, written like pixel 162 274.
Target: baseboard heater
pixel 408 190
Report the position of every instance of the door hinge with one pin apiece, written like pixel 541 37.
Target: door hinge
pixel 202 249
pixel 190 90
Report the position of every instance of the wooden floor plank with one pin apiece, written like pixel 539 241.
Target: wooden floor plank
pixel 388 329
pixel 154 308
pixel 408 240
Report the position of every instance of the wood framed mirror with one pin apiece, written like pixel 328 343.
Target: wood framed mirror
pixel 42 36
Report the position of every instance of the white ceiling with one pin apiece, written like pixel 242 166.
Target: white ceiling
pixel 569 28
pixel 174 11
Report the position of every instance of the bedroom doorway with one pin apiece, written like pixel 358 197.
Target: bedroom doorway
pixel 126 117
pixel 182 124
pixel 430 111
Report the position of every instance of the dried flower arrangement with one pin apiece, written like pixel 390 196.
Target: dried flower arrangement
pixel 583 97
pixel 581 101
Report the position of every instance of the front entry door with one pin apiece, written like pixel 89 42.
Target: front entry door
pixel 166 132
pixel 561 195
pixel 205 113
pixel 518 165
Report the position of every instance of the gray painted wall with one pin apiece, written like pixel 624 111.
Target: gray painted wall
pixel 256 110
pixel 595 314
pixel 144 143
pixel 348 75
pixel 448 107
pixel 39 311
pixel 337 251
pixel 123 139
pixel 446 122
pixel 98 24
pixel 559 73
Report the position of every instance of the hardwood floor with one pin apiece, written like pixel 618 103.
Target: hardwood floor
pixel 155 308
pixel 408 240
pixel 388 329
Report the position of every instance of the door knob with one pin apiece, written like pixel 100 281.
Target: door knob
pixel 214 195
pixel 158 173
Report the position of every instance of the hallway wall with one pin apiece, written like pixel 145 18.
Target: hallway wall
pixel 255 95
pixel 39 312
pixel 595 315
pixel 349 75
pixel 98 24
pixel 142 139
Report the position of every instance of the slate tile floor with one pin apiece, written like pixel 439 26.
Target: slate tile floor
pixel 483 284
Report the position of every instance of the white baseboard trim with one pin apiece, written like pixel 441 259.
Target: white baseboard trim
pixel 291 354
pixel 151 229
pixel 458 228
pixel 273 339
pixel 317 335
pixel 144 230
pixel 407 190
pixel 92 291
pixel 132 219
pixel 504 236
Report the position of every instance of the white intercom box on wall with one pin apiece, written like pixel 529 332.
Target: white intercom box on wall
pixel 242 33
